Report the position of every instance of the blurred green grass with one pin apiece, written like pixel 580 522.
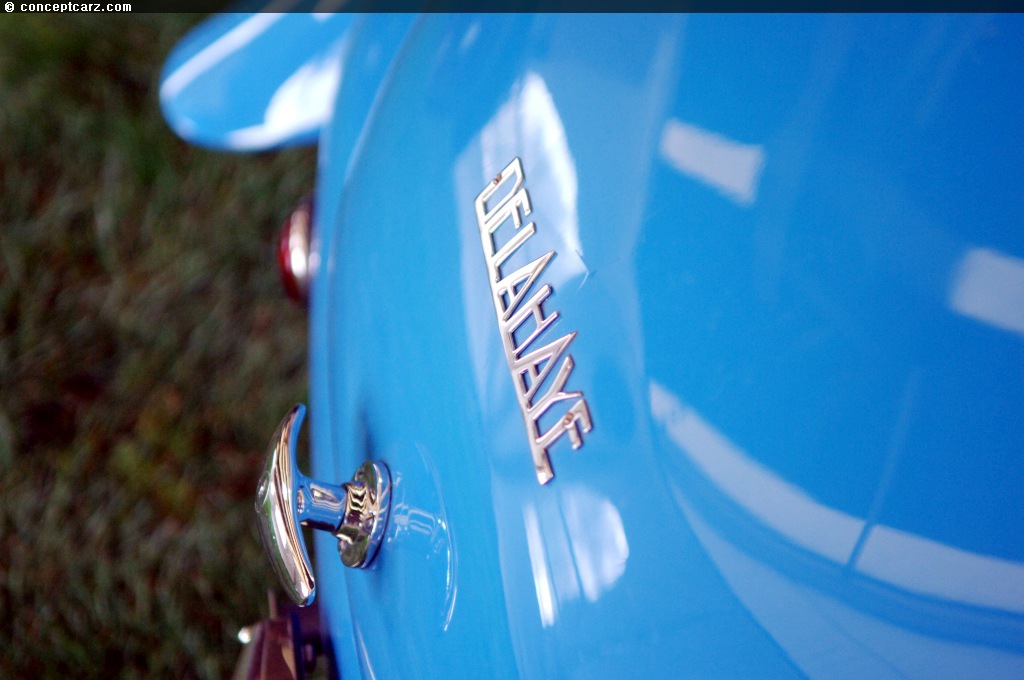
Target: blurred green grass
pixel 146 354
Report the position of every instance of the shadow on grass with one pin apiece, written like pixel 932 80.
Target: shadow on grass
pixel 146 353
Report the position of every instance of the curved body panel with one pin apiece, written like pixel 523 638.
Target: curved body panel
pixel 791 250
pixel 248 82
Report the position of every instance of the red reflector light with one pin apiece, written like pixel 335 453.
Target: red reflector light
pixel 293 252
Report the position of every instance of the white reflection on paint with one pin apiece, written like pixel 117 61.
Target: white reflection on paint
pixel 924 566
pixel 301 104
pixel 827 638
pixel 988 286
pixel 528 126
pixel 470 36
pixel 905 560
pixel 577 545
pixel 779 504
pixel 211 55
pixel 597 539
pixel 541 575
pixel 731 167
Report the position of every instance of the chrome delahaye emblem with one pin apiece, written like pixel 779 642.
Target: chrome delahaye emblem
pixel 530 370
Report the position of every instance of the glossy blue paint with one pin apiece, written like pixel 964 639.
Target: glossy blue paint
pixel 373 41
pixel 792 249
pixel 254 81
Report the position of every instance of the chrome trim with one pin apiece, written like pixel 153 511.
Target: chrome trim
pixel 355 512
pixel 530 370
pixel 366 515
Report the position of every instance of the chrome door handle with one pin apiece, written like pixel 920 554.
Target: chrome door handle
pixel 356 512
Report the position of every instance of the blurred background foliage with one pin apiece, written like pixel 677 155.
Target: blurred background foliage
pixel 146 355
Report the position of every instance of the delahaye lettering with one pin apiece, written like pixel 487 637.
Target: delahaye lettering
pixel 530 370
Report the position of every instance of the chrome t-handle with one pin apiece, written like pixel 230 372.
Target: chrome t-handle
pixel 355 512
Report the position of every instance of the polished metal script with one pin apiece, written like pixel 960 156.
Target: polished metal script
pixel 530 365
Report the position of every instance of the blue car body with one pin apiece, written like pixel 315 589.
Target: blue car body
pixel 791 248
